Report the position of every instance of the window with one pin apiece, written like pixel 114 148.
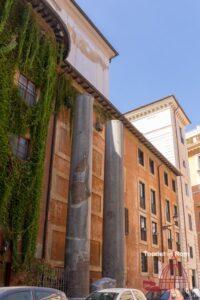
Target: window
pixel 20 146
pixel 144 263
pixel 24 295
pixel 155 265
pixel 125 296
pixel 186 189
pixel 39 295
pixel 184 164
pixel 178 247
pixel 153 202
pixel 143 228
pixel 171 267
pixel 169 239
pixel 167 211
pixel 191 252
pixel 175 215
pixel 27 90
pixel 174 185
pixel 154 233
pixel 181 135
pixel 141 157
pixel 126 221
pixel 166 179
pixel 142 195
pixel 198 162
pixel 151 166
pixel 180 268
pixel 190 222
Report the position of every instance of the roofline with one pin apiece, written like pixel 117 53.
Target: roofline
pixel 95 28
pixel 160 100
pixel 90 89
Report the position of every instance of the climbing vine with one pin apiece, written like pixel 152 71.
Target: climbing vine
pixel 25 48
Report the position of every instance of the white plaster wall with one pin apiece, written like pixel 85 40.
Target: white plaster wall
pixel 194 169
pixel 89 54
pixel 157 128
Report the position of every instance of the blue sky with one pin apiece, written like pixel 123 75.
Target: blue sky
pixel 159 46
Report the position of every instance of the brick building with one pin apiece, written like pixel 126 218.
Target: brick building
pixel 108 194
pixel 193 145
pixel 163 123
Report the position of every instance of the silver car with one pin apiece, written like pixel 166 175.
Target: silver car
pixel 30 293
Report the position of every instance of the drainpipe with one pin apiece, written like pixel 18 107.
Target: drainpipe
pixel 52 150
pixel 161 214
pixel 182 194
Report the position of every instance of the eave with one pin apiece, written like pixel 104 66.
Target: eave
pixel 50 16
pixel 116 114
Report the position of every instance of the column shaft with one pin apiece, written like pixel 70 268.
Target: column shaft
pixel 77 255
pixel 113 234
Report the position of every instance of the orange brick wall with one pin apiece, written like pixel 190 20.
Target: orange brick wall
pixel 133 173
pixel 196 197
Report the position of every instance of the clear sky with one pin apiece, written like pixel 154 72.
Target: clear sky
pixel 159 46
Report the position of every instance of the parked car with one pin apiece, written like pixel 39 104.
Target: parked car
pixel 172 294
pixel 195 293
pixel 117 294
pixel 30 293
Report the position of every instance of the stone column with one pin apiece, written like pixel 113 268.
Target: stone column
pixel 113 228
pixel 77 255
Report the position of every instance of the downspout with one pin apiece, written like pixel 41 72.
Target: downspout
pixel 161 214
pixel 179 162
pixel 44 243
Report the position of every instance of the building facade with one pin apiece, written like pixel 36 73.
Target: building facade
pixel 163 123
pixel 108 196
pixel 193 145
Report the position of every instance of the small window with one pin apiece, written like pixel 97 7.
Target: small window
pixel 27 90
pixel 180 269
pixel 153 202
pixel 154 233
pixel 144 263
pixel 142 195
pixel 166 181
pixel 181 135
pixel 126 221
pixel 184 164
pixel 167 211
pixel 178 246
pixel 175 215
pixel 143 228
pixel 198 162
pixel 141 157
pixel 174 185
pixel 190 222
pixel 169 239
pixel 186 189
pixel 155 265
pixel 20 146
pixel 171 267
pixel 151 166
pixel 191 252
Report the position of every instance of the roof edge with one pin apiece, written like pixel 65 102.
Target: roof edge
pixel 160 100
pixel 90 89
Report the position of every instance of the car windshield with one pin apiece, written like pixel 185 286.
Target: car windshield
pixel 102 296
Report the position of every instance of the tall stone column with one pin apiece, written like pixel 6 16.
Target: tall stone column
pixel 77 255
pixel 113 228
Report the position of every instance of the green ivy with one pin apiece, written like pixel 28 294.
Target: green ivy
pixel 25 48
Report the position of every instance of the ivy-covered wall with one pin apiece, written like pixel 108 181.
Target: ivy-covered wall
pixel 24 48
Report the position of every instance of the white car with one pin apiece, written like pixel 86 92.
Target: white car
pixel 117 294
